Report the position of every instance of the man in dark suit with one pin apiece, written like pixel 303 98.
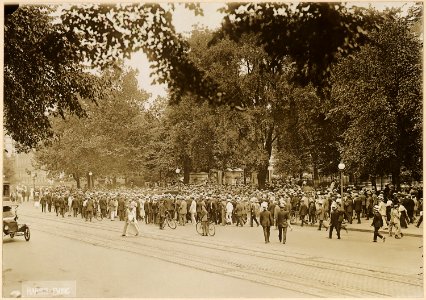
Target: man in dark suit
pixel 43 202
pixel 358 207
pixel 89 209
pixel 49 201
pixel 334 221
pixel 75 205
pixel 147 208
pixel 303 211
pixel 121 207
pixel 266 221
pixel 282 222
pixel 103 206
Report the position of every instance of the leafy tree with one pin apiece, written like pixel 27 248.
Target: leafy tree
pixel 378 96
pixel 312 34
pixel 108 142
pixel 43 76
pixel 113 32
pixel 8 167
pixel 50 55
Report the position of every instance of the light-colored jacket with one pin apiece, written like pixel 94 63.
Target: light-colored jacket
pixel 382 208
pixel 229 207
pixel 193 207
pixel 183 207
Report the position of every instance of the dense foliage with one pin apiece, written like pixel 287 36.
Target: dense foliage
pixel 313 84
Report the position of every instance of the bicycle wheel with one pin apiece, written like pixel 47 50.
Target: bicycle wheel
pixel 212 230
pixel 199 228
pixel 171 223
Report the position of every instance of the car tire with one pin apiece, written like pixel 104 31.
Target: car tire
pixel 27 234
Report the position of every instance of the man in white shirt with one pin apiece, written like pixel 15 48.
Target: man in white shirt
pixel 382 211
pixel 131 218
pixel 229 209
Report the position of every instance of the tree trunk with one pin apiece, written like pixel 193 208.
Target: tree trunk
pixel 373 182
pixel 396 180
pixel 77 179
pixel 186 170
pixel 261 177
pixel 316 175
pixel 263 171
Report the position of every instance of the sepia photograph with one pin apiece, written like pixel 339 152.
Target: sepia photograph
pixel 213 150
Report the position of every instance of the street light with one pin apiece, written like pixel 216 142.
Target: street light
pixel 90 180
pixel 341 167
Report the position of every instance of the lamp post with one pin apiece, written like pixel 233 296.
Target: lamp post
pixel 341 167
pixel 90 180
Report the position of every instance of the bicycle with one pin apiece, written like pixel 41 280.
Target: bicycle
pixel 170 221
pixel 210 228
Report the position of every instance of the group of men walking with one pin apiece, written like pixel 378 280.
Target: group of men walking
pixel 239 207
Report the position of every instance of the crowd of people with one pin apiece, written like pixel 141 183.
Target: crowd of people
pixel 279 207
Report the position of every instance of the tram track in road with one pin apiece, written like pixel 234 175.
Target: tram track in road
pixel 275 254
pixel 287 270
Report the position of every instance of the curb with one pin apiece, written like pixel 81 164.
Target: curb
pixel 384 231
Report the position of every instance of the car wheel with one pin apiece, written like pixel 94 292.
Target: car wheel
pixel 27 234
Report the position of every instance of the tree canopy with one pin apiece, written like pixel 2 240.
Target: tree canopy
pixel 377 104
pixel 43 76
pixel 109 141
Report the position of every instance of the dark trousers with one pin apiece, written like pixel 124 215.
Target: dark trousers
pixel 253 218
pixel 121 215
pixel 103 212
pixel 377 233
pixel 312 218
pixel 75 211
pixel 89 215
pixel 43 207
pixel 266 233
pixel 282 233
pixel 240 221
pixel 358 216
pixel 162 219
pixel 49 207
pixel 320 224
pixel 302 218
pixel 331 230
pixel 349 217
pixel 57 210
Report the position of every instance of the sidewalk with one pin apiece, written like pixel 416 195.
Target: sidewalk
pixel 412 230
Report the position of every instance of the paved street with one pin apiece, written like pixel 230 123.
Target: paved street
pixel 233 263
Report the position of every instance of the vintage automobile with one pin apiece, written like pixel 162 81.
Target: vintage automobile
pixel 10 222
